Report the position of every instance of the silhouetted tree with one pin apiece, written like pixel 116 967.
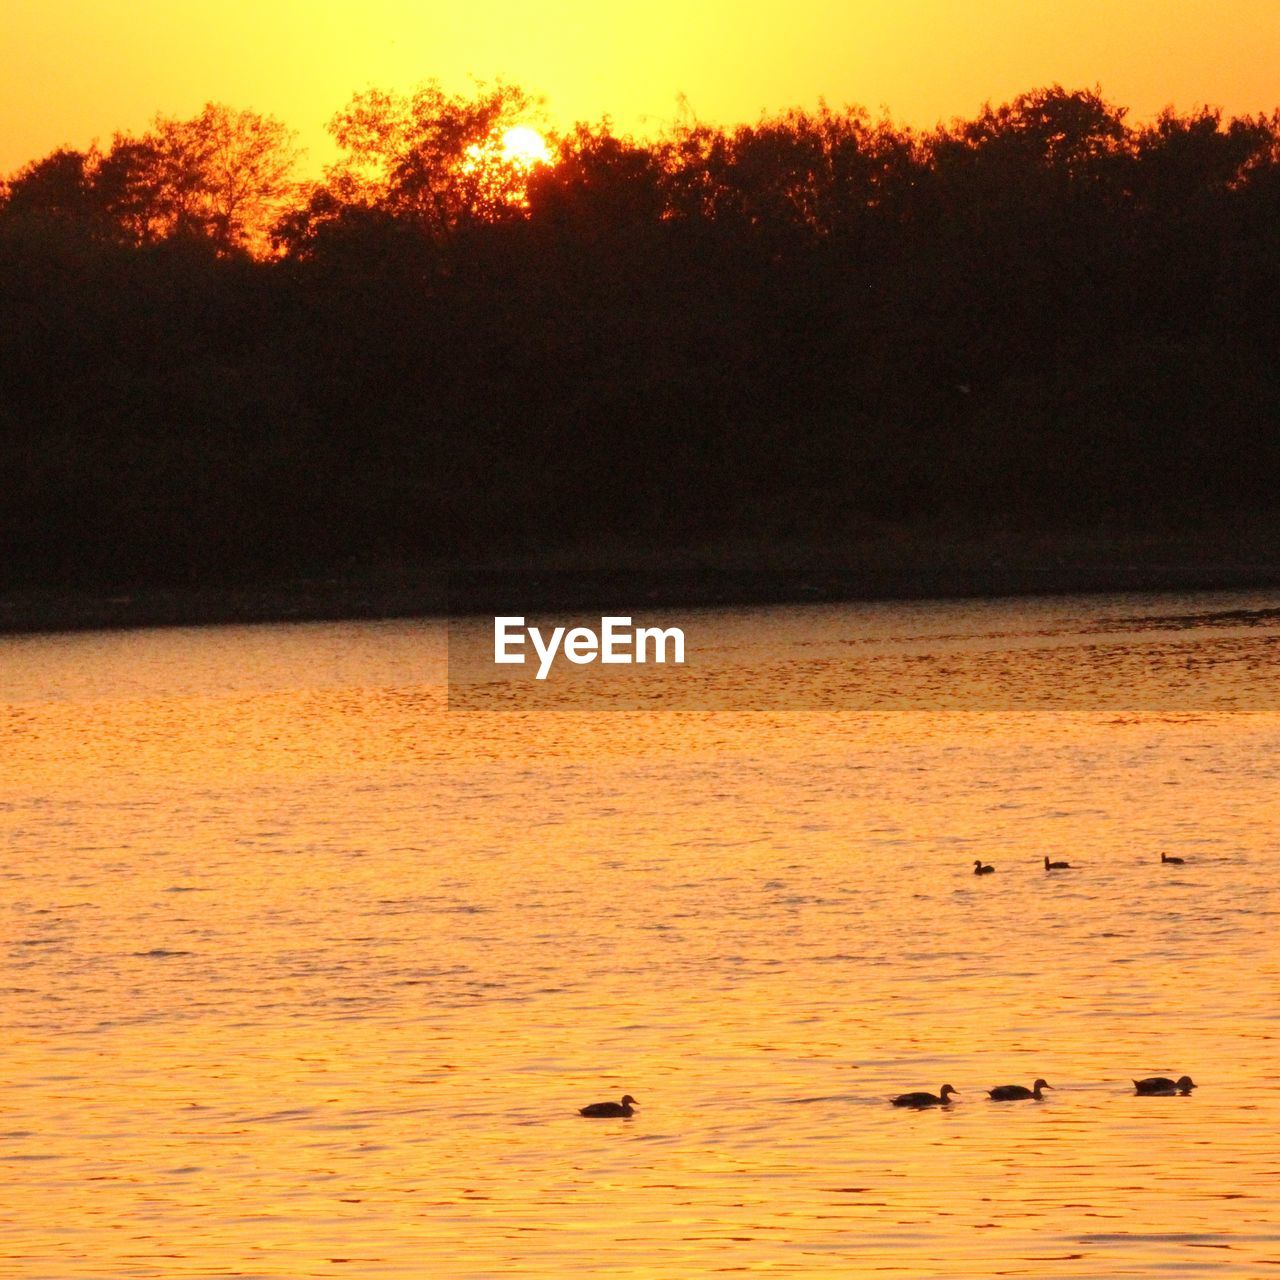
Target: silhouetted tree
pixel 59 186
pixel 796 327
pixel 224 175
pixel 430 155
pixel 598 185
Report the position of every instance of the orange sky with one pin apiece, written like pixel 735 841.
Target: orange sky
pixel 76 70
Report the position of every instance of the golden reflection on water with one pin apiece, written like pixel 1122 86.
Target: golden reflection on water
pixel 304 976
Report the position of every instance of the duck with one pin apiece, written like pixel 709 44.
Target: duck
pixel 981 868
pixel 1176 862
pixel 622 1108
pixel 1016 1092
pixel 1162 1084
pixel 925 1099
pixel 1056 866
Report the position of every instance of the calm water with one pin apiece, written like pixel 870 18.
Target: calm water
pixel 304 976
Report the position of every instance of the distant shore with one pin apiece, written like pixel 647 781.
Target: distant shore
pixel 895 566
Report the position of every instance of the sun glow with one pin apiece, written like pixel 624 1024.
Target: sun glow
pixel 507 157
pixel 524 147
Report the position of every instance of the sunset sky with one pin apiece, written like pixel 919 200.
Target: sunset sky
pixel 78 70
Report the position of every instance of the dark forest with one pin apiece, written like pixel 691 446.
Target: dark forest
pixel 807 328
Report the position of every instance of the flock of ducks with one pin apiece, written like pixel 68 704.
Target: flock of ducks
pixel 981 868
pixel 1152 1086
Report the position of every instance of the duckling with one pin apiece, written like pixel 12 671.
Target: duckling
pixel 622 1108
pixel 925 1099
pixel 1162 1084
pixel 1016 1092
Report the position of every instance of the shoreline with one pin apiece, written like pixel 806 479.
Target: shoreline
pixel 709 577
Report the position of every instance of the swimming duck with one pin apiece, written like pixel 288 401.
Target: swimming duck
pixel 1016 1092
pixel 981 868
pixel 1162 1084
pixel 622 1108
pixel 1177 862
pixel 925 1099
pixel 1056 866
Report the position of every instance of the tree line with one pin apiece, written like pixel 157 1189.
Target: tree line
pixel 807 327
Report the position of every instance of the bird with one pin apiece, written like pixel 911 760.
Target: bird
pixel 622 1108
pixel 1056 866
pixel 1016 1092
pixel 925 1099
pixel 1162 1084
pixel 1177 862
pixel 982 869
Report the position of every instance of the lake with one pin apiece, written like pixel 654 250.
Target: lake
pixel 306 975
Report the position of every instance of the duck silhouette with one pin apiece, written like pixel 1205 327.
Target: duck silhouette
pixel 1176 862
pixel 597 1109
pixel 1016 1092
pixel 981 868
pixel 1056 866
pixel 1163 1085
pixel 925 1099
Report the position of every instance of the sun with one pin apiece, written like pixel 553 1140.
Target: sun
pixel 524 147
